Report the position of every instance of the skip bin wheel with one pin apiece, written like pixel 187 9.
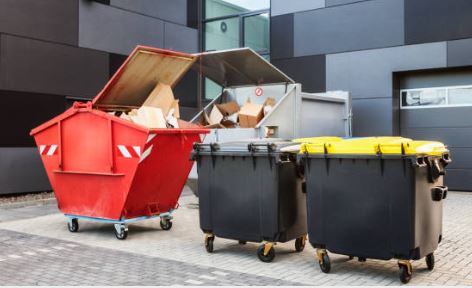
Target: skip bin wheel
pixel 121 232
pixel 73 225
pixel 430 261
pixel 242 242
pixel 405 276
pixel 300 244
pixel 166 224
pixel 209 243
pixel 269 257
pixel 325 265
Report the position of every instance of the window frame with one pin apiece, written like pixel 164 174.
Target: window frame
pixel 447 88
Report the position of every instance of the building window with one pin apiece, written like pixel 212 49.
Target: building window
pixel 234 24
pixel 436 97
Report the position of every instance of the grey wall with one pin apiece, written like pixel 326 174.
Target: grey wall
pixel 365 44
pixel 54 51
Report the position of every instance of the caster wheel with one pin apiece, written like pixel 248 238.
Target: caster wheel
pixel 361 259
pixel 242 242
pixel 121 232
pixel 209 243
pixel 405 275
pixel 300 244
pixel 430 261
pixel 266 258
pixel 73 225
pixel 325 265
pixel 166 224
pixel 351 257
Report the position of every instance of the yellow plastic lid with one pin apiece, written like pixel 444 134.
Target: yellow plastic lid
pixel 317 139
pixel 375 146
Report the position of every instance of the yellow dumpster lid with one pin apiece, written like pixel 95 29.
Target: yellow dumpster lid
pixel 375 146
pixel 317 139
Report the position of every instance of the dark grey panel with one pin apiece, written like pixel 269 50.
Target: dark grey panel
pixel 458 179
pixel 461 158
pixel 187 113
pixel 308 70
pixel 330 3
pixel 279 7
pixel 437 20
pixel 372 117
pixel 368 74
pixel 115 61
pixel 437 117
pixel 349 28
pixel 115 30
pixel 52 20
pixel 281 36
pixel 22 171
pixel 192 13
pixel 187 89
pixel 452 137
pixel 459 52
pixel 42 67
pixel 23 112
pixel 169 10
pixel 436 78
pixel 180 38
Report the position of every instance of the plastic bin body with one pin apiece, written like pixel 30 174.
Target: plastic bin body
pixel 127 171
pixel 250 196
pixel 374 206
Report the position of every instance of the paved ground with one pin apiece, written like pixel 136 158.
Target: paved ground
pixel 36 248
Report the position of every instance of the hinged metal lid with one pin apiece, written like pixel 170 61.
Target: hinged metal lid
pixel 239 67
pixel 139 74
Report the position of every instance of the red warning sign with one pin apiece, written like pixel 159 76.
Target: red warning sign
pixel 259 91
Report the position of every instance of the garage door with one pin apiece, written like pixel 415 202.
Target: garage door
pixel 442 113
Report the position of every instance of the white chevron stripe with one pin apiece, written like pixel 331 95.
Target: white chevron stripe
pixel 124 151
pixel 137 149
pixel 146 153
pixel 52 150
pixel 41 149
pixel 150 137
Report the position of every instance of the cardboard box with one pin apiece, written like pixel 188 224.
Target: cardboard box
pixel 161 97
pixel 215 116
pixel 250 114
pixel 150 117
pixel 229 108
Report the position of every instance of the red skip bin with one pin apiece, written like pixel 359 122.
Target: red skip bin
pixel 106 168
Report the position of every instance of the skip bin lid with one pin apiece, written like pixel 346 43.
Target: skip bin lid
pixel 376 146
pixel 139 74
pixel 239 67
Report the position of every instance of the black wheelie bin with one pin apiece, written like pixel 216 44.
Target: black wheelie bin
pixel 375 197
pixel 251 191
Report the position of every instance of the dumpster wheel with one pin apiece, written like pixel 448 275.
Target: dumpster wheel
pixel 430 261
pixel 73 225
pixel 323 260
pixel 209 243
pixel 166 224
pixel 121 231
pixel 300 243
pixel 266 252
pixel 406 271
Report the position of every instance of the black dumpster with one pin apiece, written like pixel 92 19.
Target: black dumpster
pixel 378 198
pixel 251 192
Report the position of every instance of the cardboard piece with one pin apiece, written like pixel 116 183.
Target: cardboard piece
pixel 228 108
pixel 150 117
pixel 215 116
pixel 250 114
pixel 161 97
pixel 176 107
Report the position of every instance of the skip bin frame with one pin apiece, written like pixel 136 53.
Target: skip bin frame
pixel 121 178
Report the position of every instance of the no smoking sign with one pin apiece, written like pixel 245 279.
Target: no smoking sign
pixel 259 91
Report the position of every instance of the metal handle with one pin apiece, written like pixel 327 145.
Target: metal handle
pixel 252 147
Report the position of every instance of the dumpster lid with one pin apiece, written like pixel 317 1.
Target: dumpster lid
pixel 247 146
pixel 239 67
pixel 139 74
pixel 376 146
